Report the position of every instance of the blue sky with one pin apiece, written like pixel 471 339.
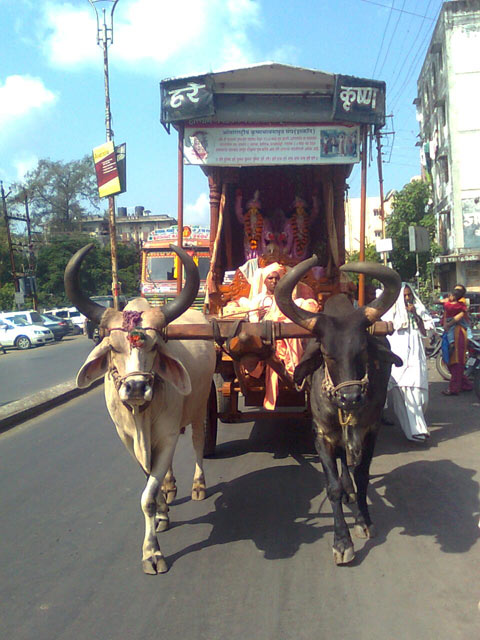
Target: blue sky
pixel 52 93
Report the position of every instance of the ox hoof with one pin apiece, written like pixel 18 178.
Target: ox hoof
pixel 198 493
pixel 155 564
pixel 364 531
pixel 170 495
pixel 349 498
pixel 343 557
pixel 162 525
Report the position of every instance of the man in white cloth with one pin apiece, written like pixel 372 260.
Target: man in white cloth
pixel 408 384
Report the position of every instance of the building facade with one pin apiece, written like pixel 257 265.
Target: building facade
pixel 373 221
pixel 448 112
pixel 131 228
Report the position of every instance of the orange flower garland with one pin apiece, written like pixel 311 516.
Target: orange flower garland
pixel 300 220
pixel 253 223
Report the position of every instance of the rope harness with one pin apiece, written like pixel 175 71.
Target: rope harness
pixel 345 418
pixel 137 339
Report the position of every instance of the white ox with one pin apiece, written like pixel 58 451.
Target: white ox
pixel 153 389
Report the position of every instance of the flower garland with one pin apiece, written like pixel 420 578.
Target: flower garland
pixel 300 220
pixel 253 223
pixel 131 320
pixel 137 338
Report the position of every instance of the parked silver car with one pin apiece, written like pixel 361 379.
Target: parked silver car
pixel 22 335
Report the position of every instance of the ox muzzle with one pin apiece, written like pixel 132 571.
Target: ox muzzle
pixel 135 389
pixel 348 395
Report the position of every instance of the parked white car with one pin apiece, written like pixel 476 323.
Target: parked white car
pixel 23 335
pixel 70 313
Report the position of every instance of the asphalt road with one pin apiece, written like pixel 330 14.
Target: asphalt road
pixel 23 373
pixel 254 559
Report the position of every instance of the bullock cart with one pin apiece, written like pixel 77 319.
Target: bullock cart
pixel 277 145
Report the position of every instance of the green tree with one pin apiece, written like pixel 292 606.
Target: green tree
pixel 371 255
pixel 96 272
pixel 411 206
pixel 52 259
pixel 7 296
pixel 59 193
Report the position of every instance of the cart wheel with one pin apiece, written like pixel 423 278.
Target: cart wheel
pixel 211 424
pixel 442 367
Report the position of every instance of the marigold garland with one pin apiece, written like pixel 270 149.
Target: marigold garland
pixel 254 234
pixel 300 220
pixel 137 338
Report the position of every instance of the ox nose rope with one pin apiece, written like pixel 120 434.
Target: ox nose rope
pixel 118 380
pixel 331 390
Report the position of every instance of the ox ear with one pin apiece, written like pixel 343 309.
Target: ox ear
pixel 173 371
pixel 95 366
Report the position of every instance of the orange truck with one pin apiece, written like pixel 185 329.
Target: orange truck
pixel 160 264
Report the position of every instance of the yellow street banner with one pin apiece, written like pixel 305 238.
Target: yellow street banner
pixel 108 180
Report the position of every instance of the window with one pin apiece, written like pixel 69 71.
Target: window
pixel 443 168
pixel 378 234
pixel 377 212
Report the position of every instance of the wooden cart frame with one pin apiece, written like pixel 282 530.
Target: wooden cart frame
pixel 304 109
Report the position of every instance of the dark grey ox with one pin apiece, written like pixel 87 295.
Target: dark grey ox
pixel 153 388
pixel 346 370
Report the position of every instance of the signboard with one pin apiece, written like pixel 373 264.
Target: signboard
pixel 108 180
pixel 359 100
pixel 190 233
pixel 471 223
pixel 383 245
pixel 418 239
pixel 185 99
pixel 236 146
pixel 121 157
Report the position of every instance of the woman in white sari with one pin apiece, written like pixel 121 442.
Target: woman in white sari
pixel 408 384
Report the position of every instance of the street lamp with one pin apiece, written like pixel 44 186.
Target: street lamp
pixel 104 39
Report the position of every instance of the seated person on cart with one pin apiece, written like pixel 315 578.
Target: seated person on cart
pixel 262 306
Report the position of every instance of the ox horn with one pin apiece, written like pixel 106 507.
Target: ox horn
pixel 391 286
pixel 188 294
pixel 284 291
pixel 90 309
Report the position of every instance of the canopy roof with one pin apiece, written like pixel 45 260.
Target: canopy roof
pixel 268 78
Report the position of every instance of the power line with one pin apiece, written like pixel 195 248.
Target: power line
pixel 383 39
pixel 414 60
pixel 385 6
pixel 403 62
pixel 391 38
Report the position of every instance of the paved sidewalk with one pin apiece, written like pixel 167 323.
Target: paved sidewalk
pixel 14 413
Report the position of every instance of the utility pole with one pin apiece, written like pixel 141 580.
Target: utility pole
pixel 380 180
pixel 30 272
pixel 9 237
pixel 31 255
pixel 104 39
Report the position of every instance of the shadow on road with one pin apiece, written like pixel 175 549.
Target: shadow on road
pixel 282 438
pixel 273 507
pixel 437 499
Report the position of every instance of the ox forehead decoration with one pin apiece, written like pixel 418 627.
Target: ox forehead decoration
pixel 131 320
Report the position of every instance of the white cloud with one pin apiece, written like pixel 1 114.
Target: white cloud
pixel 205 33
pixel 199 211
pixel 19 96
pixel 70 37
pixel 24 164
pixel 288 54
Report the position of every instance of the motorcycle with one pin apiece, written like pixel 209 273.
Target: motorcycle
pixel 432 343
pixel 472 365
